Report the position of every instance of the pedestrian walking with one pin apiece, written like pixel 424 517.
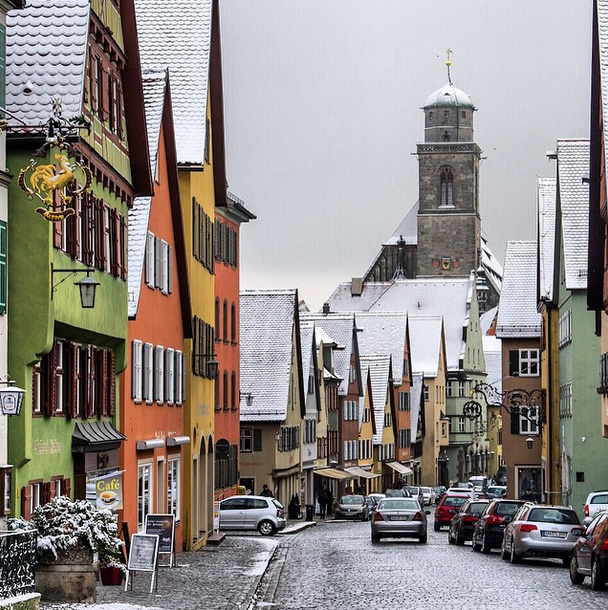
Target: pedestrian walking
pixel 322 503
pixel 330 502
pixel 266 492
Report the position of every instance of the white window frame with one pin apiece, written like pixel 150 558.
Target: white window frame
pixel 528 424
pixel 150 273
pixel 60 375
pixel 462 423
pixel 530 362
pixel 180 380
pixel 170 375
pixel 246 437
pixel 159 373
pixel 148 373
pixel 136 371
pixel 164 262
pixel 144 497
pixel 174 486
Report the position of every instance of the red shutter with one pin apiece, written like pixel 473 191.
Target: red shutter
pixel 102 382
pixel 57 225
pixel 93 81
pixel 49 364
pixel 46 493
pixel 100 256
pixel 26 502
pixel 105 96
pixel 90 381
pixel 123 246
pixel 52 493
pixel 77 203
pixel 67 487
pixel 119 111
pixel 111 383
pixel 74 376
pixel 113 241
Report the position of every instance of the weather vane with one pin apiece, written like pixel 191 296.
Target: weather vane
pixel 448 63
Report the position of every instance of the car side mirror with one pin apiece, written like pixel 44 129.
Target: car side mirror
pixel 427 512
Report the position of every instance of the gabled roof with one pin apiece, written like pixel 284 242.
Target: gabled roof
pixel 545 189
pixel 267 319
pixel 517 313
pixel 407 229
pixel 447 297
pixel 573 204
pixel 46 46
pixel 425 339
pixel 491 266
pixel 379 369
pixel 181 40
pixel 415 402
pixel 492 352
pixel 340 327
pixel 383 333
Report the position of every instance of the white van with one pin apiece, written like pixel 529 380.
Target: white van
pixel 480 484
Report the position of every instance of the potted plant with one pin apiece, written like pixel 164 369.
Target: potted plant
pixel 73 537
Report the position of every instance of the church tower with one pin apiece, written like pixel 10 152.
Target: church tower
pixel 449 225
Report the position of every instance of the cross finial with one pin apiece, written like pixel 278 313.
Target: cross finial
pixel 448 63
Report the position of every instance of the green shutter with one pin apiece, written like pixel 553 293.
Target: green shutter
pixel 3 266
pixel 2 67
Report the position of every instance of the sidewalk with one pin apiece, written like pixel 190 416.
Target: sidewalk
pixel 221 577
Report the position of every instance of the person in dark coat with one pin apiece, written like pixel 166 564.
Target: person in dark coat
pixel 330 501
pixel 322 503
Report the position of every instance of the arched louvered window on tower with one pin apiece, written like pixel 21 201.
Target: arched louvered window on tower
pixel 447 187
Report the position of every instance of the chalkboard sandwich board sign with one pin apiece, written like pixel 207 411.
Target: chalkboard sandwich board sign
pixel 164 527
pixel 143 557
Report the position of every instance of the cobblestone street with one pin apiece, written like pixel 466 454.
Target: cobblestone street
pixel 335 565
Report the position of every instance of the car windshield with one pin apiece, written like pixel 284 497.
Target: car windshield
pixel 426 490
pixel 508 508
pixel 351 500
pixel 477 508
pixel 553 515
pixel 398 505
pixel 456 501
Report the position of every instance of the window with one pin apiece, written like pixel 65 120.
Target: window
pixel 225 320
pixel 217 319
pixel 180 377
pixel 225 391
pixel 5 490
pixel 170 376
pixel 173 487
pixel 447 187
pixel 148 373
pixel 233 391
pixel 144 494
pixel 159 374
pixel 523 362
pixel 528 420
pixel 448 389
pixel 351 411
pixel 565 400
pixel 246 440
pixel 425 389
pixel 461 424
pixel 233 323
pixel 461 388
pixel 404 401
pixel 565 328
pixel 3 246
pixel 136 372
pixel 387 420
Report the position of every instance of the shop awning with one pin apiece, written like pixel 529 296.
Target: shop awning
pixel 400 468
pixel 334 473
pixel 359 472
pixel 96 436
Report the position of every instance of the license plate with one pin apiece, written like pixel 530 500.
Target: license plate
pixel 398 518
pixel 545 534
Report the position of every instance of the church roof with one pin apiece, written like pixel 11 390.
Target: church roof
pixel 448 95
pixel 425 337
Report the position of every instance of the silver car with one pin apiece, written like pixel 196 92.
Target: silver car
pixel 252 513
pixel 352 507
pixel 399 518
pixel 539 530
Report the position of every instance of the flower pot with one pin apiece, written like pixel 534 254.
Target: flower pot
pixel 110 576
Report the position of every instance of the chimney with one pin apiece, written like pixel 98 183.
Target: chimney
pixel 325 308
pixel 356 286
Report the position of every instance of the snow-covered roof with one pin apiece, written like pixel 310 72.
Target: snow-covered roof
pixel 407 229
pixel 307 334
pixel 492 352
pixel 448 95
pixel 340 328
pixel 181 40
pixel 154 84
pixel 46 48
pixel 545 189
pixel 486 319
pixel 491 266
pixel 448 297
pixel 517 313
pixel 267 319
pixel 572 166
pixel 415 402
pixel 602 28
pixel 383 333
pixel 425 340
pixel 379 368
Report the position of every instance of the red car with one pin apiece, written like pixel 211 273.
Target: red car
pixel 448 506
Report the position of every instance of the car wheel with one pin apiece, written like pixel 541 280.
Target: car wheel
pixel 459 539
pixel 514 558
pixel 566 562
pixel 436 526
pixel 597 580
pixel 476 546
pixel 422 539
pixel 450 539
pixel 575 577
pixel 375 538
pixel 266 528
pixel 504 554
pixel 485 546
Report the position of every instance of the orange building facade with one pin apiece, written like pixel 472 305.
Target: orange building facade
pixel 153 388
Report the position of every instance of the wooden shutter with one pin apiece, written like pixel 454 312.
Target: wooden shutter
pixel 100 259
pixel 515 423
pixel 74 378
pixel 77 204
pixel 124 242
pixel 513 362
pixel 67 487
pixel 169 269
pixel 49 364
pixel 57 225
pixel 102 382
pixel 45 493
pixel 90 381
pixel 114 242
pixel 158 263
pixel 194 228
pixel 26 502
pixel 257 439
pixel 111 385
pixel 3 266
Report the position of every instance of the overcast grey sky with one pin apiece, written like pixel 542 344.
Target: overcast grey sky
pixel 322 114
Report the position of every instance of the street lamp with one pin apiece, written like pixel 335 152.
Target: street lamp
pixel 11 398
pixel 86 285
pixel 530 442
pixel 212 365
pixel 248 397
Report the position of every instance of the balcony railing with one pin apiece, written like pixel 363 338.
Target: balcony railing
pixel 17 563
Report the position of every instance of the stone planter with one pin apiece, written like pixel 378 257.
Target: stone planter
pixel 71 578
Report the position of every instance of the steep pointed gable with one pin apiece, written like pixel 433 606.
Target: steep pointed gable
pixel 379 368
pixel 546 194
pixel 181 40
pixel 267 320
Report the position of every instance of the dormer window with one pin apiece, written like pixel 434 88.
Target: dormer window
pixel 447 187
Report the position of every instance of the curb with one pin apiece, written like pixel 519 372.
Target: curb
pixel 250 600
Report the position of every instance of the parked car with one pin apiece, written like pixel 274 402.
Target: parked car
pixel 416 493
pixel 540 530
pixel 467 492
pixel 252 513
pixel 489 530
pixel 397 493
pixel 590 554
pixel 428 494
pixel 352 507
pixel 399 518
pixel 446 509
pixel 596 501
pixel 439 492
pixel 480 484
pixel 372 501
pixel 495 491
pixel 463 522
